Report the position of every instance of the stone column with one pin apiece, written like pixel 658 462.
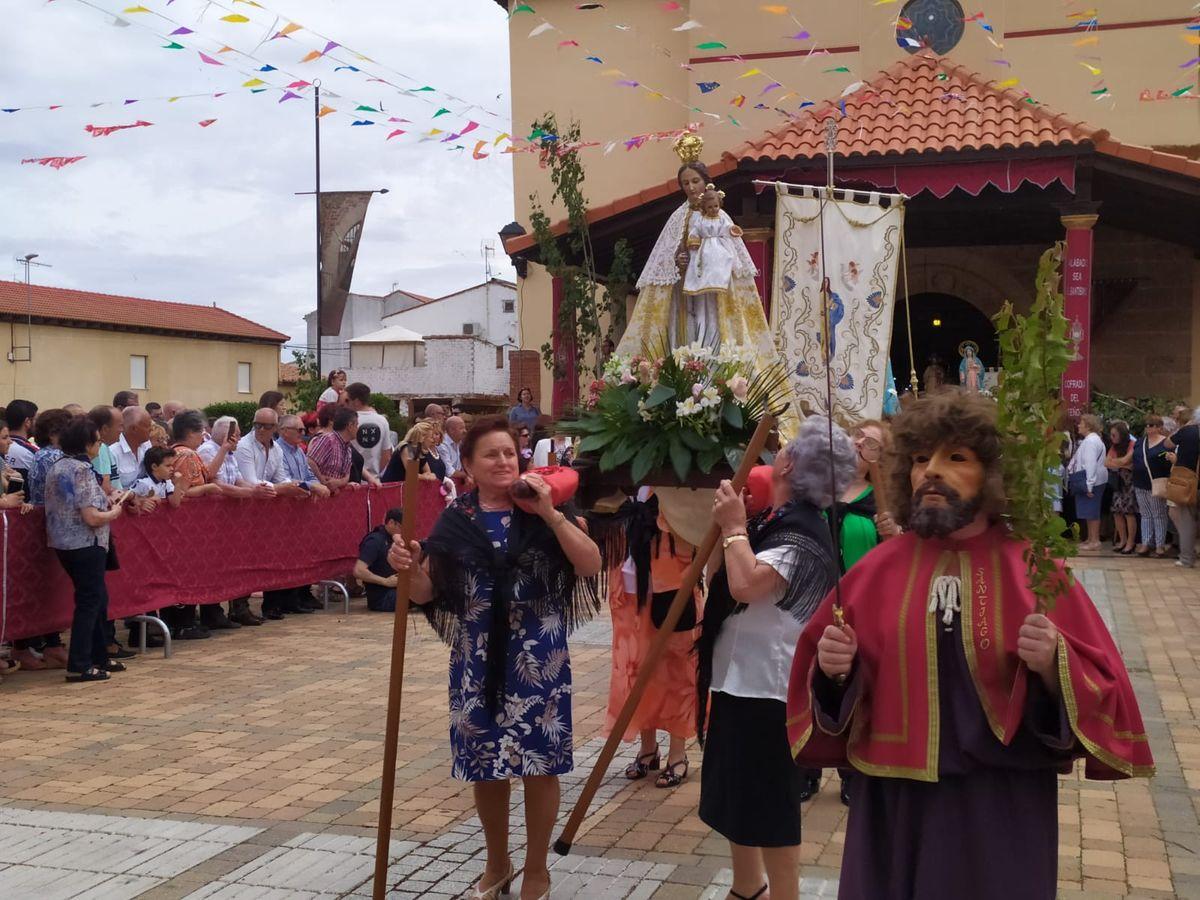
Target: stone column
pixel 1077 293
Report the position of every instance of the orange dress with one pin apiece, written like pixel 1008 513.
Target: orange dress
pixel 669 703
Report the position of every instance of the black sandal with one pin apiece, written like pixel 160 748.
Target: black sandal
pixel 736 896
pixel 670 777
pixel 646 762
pixel 114 666
pixel 92 674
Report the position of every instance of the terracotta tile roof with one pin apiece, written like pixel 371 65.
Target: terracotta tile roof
pixel 289 373
pixel 66 305
pixel 923 104
pixel 1147 156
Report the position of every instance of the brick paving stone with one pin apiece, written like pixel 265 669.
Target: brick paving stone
pixel 200 777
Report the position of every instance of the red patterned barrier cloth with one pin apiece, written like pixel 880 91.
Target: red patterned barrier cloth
pixel 208 550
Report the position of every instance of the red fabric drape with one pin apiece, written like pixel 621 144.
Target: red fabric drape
pixel 208 550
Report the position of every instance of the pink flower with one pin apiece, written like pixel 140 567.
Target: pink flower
pixel 739 387
pixel 696 390
pixel 627 378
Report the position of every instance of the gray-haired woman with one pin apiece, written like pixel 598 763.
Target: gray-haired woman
pixel 774 571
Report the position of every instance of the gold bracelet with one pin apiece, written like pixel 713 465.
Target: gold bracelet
pixel 733 539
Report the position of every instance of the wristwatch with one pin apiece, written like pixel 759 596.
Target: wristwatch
pixel 733 539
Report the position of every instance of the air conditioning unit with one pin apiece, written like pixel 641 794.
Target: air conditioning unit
pixel 472 329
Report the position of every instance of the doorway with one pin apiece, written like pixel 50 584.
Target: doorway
pixel 940 323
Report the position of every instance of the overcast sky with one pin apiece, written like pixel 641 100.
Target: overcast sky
pixel 201 215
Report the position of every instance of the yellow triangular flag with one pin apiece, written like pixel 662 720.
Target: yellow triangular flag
pixel 289 28
pixel 236 18
pixel 750 72
pixel 1011 82
pixel 254 82
pixel 503 137
pixel 226 49
pixel 1091 68
pixel 135 9
pixel 1084 41
pixel 434 131
pixel 777 10
pixel 612 72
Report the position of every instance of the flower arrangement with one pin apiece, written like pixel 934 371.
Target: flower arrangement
pixel 693 405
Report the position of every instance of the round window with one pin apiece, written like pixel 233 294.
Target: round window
pixel 936 25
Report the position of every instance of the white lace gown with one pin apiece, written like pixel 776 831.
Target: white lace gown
pixel 710 268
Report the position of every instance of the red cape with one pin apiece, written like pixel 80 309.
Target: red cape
pixel 894 729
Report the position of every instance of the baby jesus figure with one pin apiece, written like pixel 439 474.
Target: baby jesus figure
pixel 710 239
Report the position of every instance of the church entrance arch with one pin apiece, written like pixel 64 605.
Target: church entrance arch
pixel 940 323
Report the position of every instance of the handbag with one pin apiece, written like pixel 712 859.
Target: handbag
pixel 1181 486
pixel 1158 486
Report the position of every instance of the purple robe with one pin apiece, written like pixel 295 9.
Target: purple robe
pixel 987 829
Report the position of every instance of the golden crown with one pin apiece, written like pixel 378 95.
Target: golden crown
pixel 688 148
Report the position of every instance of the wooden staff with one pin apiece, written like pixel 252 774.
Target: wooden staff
pixel 683 596
pixel 387 789
pixel 881 499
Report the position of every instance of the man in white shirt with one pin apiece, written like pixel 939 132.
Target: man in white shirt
pixel 130 448
pixel 260 460
pixel 449 450
pixel 374 440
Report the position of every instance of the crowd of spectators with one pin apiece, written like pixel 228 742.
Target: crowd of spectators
pixel 89 468
pixel 1111 472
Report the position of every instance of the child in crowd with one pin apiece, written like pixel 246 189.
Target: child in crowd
pixel 161 480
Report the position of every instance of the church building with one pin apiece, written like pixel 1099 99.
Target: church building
pixel 1007 129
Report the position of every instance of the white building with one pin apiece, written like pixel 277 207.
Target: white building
pixel 364 313
pixel 454 348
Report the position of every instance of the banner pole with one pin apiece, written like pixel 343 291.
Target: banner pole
pixel 317 132
pixel 658 646
pixel 387 788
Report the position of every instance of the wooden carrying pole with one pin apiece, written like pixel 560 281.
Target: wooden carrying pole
pixel 387 788
pixel 691 577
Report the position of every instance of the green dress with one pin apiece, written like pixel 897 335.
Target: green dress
pixel 858 530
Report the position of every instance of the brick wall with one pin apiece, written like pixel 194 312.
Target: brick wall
pixel 1141 348
pixel 1144 347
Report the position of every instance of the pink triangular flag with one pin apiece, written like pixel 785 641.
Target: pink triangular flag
pixel 208 59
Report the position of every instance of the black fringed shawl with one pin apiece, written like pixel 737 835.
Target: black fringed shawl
pixel 632 531
pixel 797 524
pixel 460 553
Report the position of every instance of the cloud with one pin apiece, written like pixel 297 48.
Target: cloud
pixel 204 215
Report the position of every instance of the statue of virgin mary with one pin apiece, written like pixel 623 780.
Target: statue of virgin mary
pixel 715 319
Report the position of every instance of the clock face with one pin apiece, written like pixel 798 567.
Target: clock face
pixel 936 25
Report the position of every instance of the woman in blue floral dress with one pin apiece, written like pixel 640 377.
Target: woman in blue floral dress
pixel 503 584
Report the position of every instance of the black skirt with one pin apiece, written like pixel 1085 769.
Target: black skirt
pixel 749 785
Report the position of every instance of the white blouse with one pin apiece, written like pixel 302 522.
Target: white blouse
pixel 753 653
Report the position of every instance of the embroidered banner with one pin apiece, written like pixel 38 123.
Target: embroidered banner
pixel 861 244
pixel 208 550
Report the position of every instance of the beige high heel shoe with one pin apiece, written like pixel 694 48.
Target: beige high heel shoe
pixel 500 887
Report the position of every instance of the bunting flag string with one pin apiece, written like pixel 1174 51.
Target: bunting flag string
pixel 287 92
pixel 354 66
pixel 53 162
pixel 621 78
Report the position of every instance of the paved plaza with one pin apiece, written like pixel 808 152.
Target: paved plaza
pixel 248 766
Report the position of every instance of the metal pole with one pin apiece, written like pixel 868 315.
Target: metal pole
pixel 317 132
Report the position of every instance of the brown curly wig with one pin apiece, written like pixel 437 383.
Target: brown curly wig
pixel 947 417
